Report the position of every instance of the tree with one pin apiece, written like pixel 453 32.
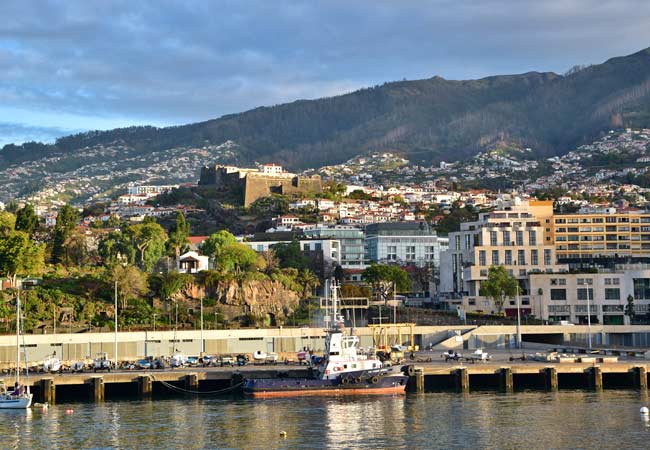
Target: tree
pixel 131 282
pixel 149 239
pixel 499 285
pixel 386 278
pixel 26 219
pixel 212 245
pixel 7 223
pixel 629 308
pixel 236 258
pixel 271 262
pixel 308 280
pixel 178 234
pixel 290 255
pixel 66 222
pixel 170 284
pixel 116 245
pixel 19 255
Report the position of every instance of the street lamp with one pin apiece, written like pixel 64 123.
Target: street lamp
pixel 518 320
pixel 202 341
pixel 589 313
pixel 115 324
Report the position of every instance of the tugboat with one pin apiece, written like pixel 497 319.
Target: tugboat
pixel 343 370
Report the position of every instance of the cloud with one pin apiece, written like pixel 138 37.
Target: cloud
pixel 18 133
pixel 94 64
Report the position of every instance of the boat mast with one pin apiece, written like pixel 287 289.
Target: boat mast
pixel 17 336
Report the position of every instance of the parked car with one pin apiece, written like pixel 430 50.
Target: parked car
pixel 101 362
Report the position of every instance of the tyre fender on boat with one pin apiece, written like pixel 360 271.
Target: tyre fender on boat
pixel 357 380
pixel 409 370
pixel 374 380
pixel 345 380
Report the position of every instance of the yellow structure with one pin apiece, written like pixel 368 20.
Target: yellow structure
pixel 385 335
pixel 607 234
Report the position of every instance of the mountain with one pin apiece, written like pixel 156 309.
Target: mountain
pixel 425 120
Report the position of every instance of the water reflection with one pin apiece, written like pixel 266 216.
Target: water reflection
pixel 609 419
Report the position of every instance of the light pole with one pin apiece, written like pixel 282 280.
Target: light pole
pixel 154 321
pixel 588 314
pixel 202 341
pixel 116 366
pixel 518 320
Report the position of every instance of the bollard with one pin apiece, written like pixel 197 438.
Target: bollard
pixel 145 386
pixel 462 379
pixel 97 388
pixel 550 378
pixel 505 380
pixel 48 391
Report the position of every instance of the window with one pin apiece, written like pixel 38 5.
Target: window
pixel 534 258
pixel 508 258
pixel 457 240
pixel 521 257
pixel 495 257
pixel 641 288
pixel 493 238
pixel 558 294
pixel 585 281
pixel 506 238
pixel 391 252
pixel 468 240
pixel 532 237
pixel 481 258
pixel 519 236
pixel 547 257
pixel 429 252
pixel 558 281
pixel 410 252
pixel 585 293
pixel 612 294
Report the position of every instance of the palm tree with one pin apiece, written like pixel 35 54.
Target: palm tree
pixel 308 280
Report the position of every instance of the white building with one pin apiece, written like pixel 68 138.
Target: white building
pixel 513 236
pixel 404 243
pixel 192 262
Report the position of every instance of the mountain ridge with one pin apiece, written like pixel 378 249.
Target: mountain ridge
pixel 427 120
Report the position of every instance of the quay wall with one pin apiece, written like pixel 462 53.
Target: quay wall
pixel 134 345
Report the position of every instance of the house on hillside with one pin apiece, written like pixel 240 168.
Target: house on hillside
pixel 192 262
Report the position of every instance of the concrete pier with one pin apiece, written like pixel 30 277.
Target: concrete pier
pixel 192 382
pixel 96 388
pixel 145 386
pixel 640 378
pixel 506 383
pixel 550 378
pixel 595 374
pixel 48 391
pixel 462 379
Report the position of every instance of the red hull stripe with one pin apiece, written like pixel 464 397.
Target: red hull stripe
pixel 310 392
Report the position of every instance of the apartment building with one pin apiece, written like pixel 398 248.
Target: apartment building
pixel 564 296
pixel 604 236
pixel 516 235
pixel 351 239
pixel 404 243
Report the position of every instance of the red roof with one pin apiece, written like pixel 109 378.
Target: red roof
pixel 197 239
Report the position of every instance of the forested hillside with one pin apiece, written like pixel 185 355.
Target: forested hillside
pixel 428 120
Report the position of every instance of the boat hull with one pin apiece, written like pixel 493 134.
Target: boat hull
pixel 21 402
pixel 298 387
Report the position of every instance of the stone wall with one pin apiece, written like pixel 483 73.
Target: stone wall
pixel 255 185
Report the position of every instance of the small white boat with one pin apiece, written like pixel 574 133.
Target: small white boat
pixel 259 356
pixel 52 364
pixel 20 397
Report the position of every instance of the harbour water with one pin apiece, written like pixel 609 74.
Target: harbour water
pixel 528 420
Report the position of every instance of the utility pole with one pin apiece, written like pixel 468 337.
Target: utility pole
pixel 202 340
pixel 116 366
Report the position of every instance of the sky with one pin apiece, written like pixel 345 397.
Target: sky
pixel 74 65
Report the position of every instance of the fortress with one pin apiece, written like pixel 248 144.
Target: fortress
pixel 256 183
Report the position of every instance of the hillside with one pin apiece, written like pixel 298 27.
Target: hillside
pixel 426 120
